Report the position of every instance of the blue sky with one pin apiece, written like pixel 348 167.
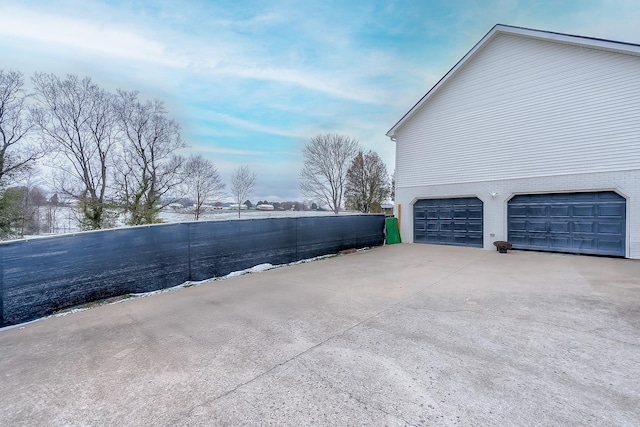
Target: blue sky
pixel 251 81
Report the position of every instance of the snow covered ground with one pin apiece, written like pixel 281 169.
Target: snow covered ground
pixel 65 218
pixel 224 215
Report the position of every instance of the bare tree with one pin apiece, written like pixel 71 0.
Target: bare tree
pixel 20 210
pixel 11 201
pixel 393 186
pixel 76 118
pixel 242 183
pixel 326 160
pixel 203 183
pixel 16 154
pixel 148 168
pixel 367 182
pixel 51 215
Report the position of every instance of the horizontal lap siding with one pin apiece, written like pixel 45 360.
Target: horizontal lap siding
pixel 524 107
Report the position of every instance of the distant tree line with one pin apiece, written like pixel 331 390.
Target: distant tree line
pixel 116 157
pixel 113 154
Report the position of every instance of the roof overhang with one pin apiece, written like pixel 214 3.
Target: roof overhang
pixel 590 42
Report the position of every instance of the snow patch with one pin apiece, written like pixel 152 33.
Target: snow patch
pixel 72 311
pixel 255 269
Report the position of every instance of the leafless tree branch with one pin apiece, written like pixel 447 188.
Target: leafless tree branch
pixel 242 183
pixel 326 160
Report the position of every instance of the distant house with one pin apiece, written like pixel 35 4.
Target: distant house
pixel 532 137
pixel 265 207
pixel 234 206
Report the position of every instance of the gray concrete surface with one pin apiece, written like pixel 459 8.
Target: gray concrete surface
pixel 399 335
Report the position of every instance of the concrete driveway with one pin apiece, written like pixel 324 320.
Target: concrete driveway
pixel 399 335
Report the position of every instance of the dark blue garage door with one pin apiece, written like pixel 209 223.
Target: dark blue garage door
pixel 585 223
pixel 448 221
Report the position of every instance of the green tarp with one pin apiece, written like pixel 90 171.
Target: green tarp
pixel 392 232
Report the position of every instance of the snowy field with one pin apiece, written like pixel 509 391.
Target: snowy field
pixel 224 215
pixel 64 220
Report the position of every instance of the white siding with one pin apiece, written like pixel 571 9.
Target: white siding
pixel 524 107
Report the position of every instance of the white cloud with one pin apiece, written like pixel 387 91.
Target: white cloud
pixel 213 55
pixel 246 124
pixel 90 37
pixel 309 79
pixel 224 150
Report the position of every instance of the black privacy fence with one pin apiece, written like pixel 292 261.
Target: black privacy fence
pixel 41 276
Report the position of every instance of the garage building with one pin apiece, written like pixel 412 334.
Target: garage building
pixel 532 137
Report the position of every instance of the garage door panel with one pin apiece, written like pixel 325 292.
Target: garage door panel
pixel 559 211
pixel 518 239
pixel 538 241
pixel 466 240
pixel 584 210
pixel 608 195
pixel 455 221
pixel 536 211
pixel 584 243
pixel 613 211
pixel 432 226
pixel 446 226
pixel 517 225
pixel 439 238
pixel 460 214
pixel 475 240
pixel 536 225
pixel 559 226
pixel 518 212
pixel 445 214
pixel 584 227
pixel 475 214
pixel 615 228
pixel 474 227
pixel 580 197
pixel 615 245
pixel 590 223
pixel 460 226
pixel 559 242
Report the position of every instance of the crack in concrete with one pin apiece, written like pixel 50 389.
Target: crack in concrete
pixel 350 394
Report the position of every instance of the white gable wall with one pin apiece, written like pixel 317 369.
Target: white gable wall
pixel 526 115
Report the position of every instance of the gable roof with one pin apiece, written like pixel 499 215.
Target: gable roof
pixel 590 42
